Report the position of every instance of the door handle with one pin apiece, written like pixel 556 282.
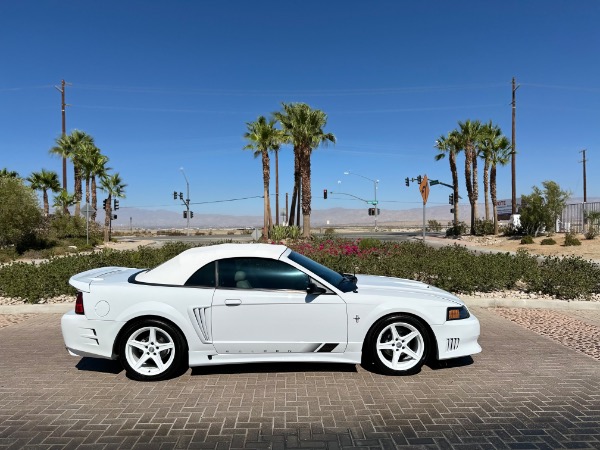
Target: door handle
pixel 233 302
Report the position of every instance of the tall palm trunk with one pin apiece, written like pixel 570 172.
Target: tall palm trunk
pixel 296 186
pixel 46 203
pixel 475 190
pixel 486 187
pixel 107 216
pixel 468 181
pixel 94 198
pixel 267 221
pixel 493 196
pixel 77 171
pixel 306 191
pixel 454 171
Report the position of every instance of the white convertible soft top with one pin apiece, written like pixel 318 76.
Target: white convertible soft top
pixel 177 270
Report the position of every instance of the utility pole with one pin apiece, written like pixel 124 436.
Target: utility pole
pixel 514 147
pixel 584 176
pixel 276 187
pixel 61 89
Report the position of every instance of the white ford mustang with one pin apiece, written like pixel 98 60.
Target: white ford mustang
pixel 242 303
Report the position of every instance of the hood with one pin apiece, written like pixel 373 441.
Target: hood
pixel 388 286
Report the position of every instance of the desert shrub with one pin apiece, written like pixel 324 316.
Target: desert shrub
pixel 367 243
pixel 548 241
pixel 434 225
pixel 569 278
pixel 591 233
pixel 571 239
pixel 281 232
pixel 457 230
pixel 230 233
pixel 20 214
pixel 527 240
pixel 484 227
pixel 329 231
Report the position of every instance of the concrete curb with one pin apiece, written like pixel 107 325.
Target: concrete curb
pixel 46 308
pixel 530 303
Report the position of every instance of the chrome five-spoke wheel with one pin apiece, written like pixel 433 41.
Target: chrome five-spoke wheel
pixel 152 350
pixel 398 345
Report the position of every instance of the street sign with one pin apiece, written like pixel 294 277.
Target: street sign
pixel 87 209
pixel 424 188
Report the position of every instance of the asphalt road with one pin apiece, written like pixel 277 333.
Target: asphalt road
pixel 381 235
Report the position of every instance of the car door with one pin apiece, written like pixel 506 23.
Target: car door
pixel 262 306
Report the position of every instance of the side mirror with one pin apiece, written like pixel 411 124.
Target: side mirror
pixel 312 288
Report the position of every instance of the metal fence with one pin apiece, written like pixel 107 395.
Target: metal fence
pixel 573 217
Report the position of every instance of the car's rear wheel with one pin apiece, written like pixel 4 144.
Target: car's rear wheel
pixel 398 345
pixel 152 350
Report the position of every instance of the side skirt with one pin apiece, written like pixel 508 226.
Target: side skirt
pixel 207 358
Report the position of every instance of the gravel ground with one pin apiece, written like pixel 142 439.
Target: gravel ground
pixel 579 330
pixel 12 319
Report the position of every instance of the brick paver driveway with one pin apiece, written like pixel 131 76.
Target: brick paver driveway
pixel 524 391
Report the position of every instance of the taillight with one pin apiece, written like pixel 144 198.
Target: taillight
pixel 79 304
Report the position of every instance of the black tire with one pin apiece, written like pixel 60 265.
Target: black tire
pixel 152 350
pixel 399 352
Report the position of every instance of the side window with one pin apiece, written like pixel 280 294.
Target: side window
pixel 203 277
pixel 260 273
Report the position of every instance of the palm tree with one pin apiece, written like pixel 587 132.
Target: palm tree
pixel 93 164
pixel 63 200
pixel 8 173
pixel 303 127
pixel 497 150
pixel 450 145
pixel 42 181
pixel 114 187
pixel 263 137
pixel 71 146
pixel 469 136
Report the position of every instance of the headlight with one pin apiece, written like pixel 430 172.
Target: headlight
pixel 457 313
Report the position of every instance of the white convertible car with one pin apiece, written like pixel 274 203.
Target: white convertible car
pixel 242 303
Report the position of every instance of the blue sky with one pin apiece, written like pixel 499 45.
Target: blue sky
pixel 163 85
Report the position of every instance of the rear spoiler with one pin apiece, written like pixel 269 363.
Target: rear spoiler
pixel 83 280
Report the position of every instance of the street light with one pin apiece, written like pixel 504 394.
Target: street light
pixel 187 200
pixel 375 183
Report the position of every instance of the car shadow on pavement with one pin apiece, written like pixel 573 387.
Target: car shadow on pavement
pixel 99 365
pixel 274 368
pixel 450 363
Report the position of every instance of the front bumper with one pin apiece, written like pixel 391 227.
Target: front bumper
pixel 456 338
pixel 84 337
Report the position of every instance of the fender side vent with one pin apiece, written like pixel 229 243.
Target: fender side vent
pixel 203 320
pixel 452 344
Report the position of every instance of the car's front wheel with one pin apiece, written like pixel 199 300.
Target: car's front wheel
pixel 152 350
pixel 398 345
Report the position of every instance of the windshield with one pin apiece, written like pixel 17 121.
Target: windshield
pixel 345 283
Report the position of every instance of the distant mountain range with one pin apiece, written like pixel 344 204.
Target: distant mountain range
pixel 144 218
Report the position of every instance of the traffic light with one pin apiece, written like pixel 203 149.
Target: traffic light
pixel 371 211
pixel 325 194
pixel 407 182
pixel 104 204
pixel 181 196
pixel 185 214
pixel 174 195
pixel 419 179
pixel 378 211
pixel 451 199
pixel 116 204
pixel 191 214
pixel 114 217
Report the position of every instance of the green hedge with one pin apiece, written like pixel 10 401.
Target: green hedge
pixel 453 268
